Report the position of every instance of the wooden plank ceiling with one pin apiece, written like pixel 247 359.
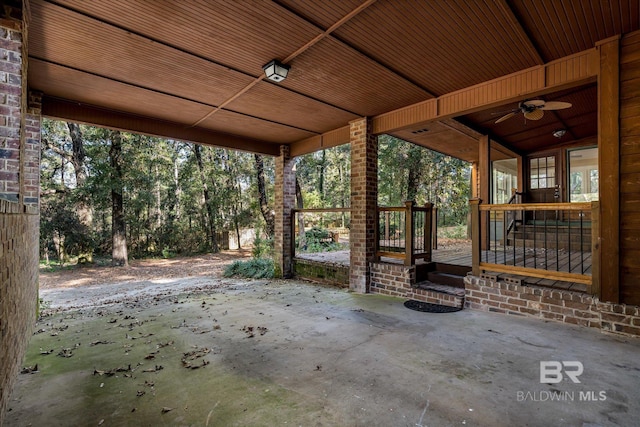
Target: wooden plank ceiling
pixel 195 67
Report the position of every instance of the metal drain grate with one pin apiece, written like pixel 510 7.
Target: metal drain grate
pixel 430 308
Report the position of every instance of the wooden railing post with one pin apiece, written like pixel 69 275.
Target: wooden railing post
pixel 376 257
pixel 474 207
pixel 595 249
pixel 428 230
pixel 434 227
pixel 408 232
pixel 293 233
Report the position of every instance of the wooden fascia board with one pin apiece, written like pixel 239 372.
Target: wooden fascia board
pixel 329 139
pixel 88 114
pixel 570 71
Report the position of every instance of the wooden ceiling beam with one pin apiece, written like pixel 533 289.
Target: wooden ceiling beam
pixel 73 111
pixel 521 32
pixel 290 57
pixel 573 70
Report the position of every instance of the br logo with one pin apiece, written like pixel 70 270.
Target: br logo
pixel 553 372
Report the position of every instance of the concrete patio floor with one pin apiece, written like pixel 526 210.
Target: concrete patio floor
pixel 292 353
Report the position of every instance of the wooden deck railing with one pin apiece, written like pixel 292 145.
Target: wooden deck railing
pixel 556 241
pixel 406 232
pixel 334 220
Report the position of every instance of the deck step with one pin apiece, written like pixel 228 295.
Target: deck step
pixel 448 279
pixel 435 293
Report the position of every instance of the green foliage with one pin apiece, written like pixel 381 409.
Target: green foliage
pixel 164 192
pixel 439 179
pixel 454 232
pixel 320 240
pixel 254 268
pixel 262 248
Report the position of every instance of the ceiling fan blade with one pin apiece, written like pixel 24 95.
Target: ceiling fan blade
pixel 534 115
pixel 505 117
pixel 555 105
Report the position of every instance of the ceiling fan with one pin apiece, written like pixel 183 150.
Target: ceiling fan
pixel 533 109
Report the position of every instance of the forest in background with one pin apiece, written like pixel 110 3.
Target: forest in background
pixel 113 194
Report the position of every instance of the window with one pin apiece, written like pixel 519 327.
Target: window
pixel 542 172
pixel 583 174
pixel 505 179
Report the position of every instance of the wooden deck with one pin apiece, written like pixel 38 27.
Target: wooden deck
pixel 543 259
pixel 460 255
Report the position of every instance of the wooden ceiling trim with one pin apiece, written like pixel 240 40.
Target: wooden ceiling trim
pixel 574 69
pixel 582 65
pixel 329 139
pixel 460 128
pixel 83 113
pixel 493 92
pixel 405 117
pixel 254 127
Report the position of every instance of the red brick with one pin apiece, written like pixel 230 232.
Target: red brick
pixel 553 316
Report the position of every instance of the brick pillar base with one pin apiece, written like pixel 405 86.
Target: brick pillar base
pixel 285 194
pixel 364 195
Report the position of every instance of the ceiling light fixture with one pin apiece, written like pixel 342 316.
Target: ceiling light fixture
pixel 276 71
pixel 559 133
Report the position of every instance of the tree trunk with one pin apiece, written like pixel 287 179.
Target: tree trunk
pixel 118 226
pixel 267 214
pixel 197 149
pixel 78 154
pixel 83 207
pixel 302 240
pixel 414 164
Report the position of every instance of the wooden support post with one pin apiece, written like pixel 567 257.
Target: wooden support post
pixel 428 230
pixel 484 183
pixel 434 228
pixel 409 231
pixel 474 207
pixel 609 168
pixel 387 232
pixel 293 233
pixel 595 249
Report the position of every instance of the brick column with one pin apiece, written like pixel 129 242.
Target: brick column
pixel 285 196
pixel 364 199
pixel 19 188
pixel 30 153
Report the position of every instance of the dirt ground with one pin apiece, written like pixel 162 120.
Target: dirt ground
pixel 146 269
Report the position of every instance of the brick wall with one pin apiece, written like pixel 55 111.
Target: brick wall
pixel 11 99
pixel 285 196
pixel 19 198
pixel 486 294
pixel 323 272
pixel 398 280
pixel 364 195
pixel 18 292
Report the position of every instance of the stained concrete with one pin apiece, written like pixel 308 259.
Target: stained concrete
pixel 294 353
